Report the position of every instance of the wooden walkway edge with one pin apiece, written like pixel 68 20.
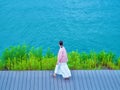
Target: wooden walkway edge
pixel 43 80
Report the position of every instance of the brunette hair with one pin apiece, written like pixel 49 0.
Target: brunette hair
pixel 61 43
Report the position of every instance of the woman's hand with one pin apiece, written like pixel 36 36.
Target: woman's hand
pixel 57 63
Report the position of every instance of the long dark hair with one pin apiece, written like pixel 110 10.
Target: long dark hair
pixel 61 43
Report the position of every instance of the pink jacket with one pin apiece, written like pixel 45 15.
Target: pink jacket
pixel 62 55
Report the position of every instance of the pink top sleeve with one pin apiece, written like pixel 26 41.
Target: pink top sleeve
pixel 62 55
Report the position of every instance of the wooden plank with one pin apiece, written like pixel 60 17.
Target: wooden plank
pixel 59 81
pixel 55 83
pixel 63 86
pixel 86 74
pixel 47 80
pixel 24 80
pixel 114 81
pixel 75 78
pixel 106 79
pixel 9 80
pixel 20 86
pixel 101 79
pixel 86 80
pixel 28 80
pixel 43 80
pixel 18 80
pixel 63 83
pixel 90 76
pixel 72 79
pixel 118 76
pixel 83 79
pixel 16 84
pixel 109 77
pixel 31 80
pixel 71 85
pixel 96 80
pixel 13 77
pixel 80 79
pixel 36 77
pixel 40 78
pixel 117 73
pixel 96 85
pixel 67 83
pixel 51 80
pixel 4 81
pixel 1 72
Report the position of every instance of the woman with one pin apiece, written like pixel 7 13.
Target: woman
pixel 61 66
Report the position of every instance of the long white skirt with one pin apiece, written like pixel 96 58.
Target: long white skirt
pixel 62 69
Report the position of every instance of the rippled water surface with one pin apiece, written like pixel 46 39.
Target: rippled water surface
pixel 82 24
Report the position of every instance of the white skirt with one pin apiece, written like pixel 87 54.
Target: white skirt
pixel 62 69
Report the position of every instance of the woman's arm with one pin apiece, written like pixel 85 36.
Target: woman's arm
pixel 60 56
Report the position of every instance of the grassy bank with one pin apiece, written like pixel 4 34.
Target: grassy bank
pixel 24 58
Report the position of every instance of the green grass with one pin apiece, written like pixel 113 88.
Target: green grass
pixel 25 58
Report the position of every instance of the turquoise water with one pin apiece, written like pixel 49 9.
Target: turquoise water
pixel 83 25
